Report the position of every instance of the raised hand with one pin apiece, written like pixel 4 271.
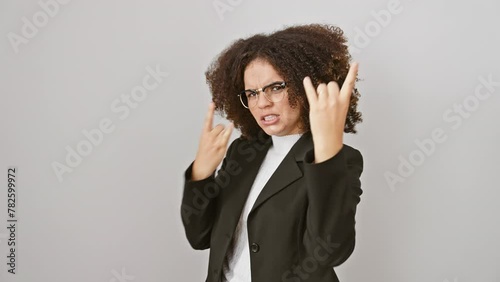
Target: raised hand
pixel 328 113
pixel 212 146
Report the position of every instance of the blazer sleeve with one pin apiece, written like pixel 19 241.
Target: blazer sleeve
pixel 199 204
pixel 333 190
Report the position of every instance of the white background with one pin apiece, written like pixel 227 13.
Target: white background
pixel 117 213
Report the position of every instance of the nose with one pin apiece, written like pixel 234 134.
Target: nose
pixel 262 101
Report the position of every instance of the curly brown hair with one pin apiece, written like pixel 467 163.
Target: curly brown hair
pixel 314 50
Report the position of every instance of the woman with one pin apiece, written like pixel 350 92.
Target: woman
pixel 282 206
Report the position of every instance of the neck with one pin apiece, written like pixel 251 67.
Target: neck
pixel 283 143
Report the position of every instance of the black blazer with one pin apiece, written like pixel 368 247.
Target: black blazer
pixel 302 223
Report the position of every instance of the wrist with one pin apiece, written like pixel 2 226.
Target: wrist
pixel 198 174
pixel 325 151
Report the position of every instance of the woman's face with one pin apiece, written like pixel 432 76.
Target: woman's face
pixel 284 120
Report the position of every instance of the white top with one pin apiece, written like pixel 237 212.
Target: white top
pixel 237 263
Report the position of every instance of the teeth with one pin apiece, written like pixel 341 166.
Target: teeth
pixel 271 117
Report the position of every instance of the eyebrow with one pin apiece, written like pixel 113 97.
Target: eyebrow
pixel 278 81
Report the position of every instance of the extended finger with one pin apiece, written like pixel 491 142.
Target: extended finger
pixel 209 117
pixel 310 91
pixel 350 80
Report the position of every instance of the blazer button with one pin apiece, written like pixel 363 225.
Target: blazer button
pixel 254 247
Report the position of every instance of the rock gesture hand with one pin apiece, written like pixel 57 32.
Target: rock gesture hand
pixel 328 112
pixel 212 147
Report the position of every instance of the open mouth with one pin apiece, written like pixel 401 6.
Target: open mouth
pixel 270 119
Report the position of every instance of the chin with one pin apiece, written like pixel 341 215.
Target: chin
pixel 273 131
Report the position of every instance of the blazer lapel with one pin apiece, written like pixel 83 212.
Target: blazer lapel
pixel 287 172
pixel 238 196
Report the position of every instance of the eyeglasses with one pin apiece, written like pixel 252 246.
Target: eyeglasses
pixel 273 92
